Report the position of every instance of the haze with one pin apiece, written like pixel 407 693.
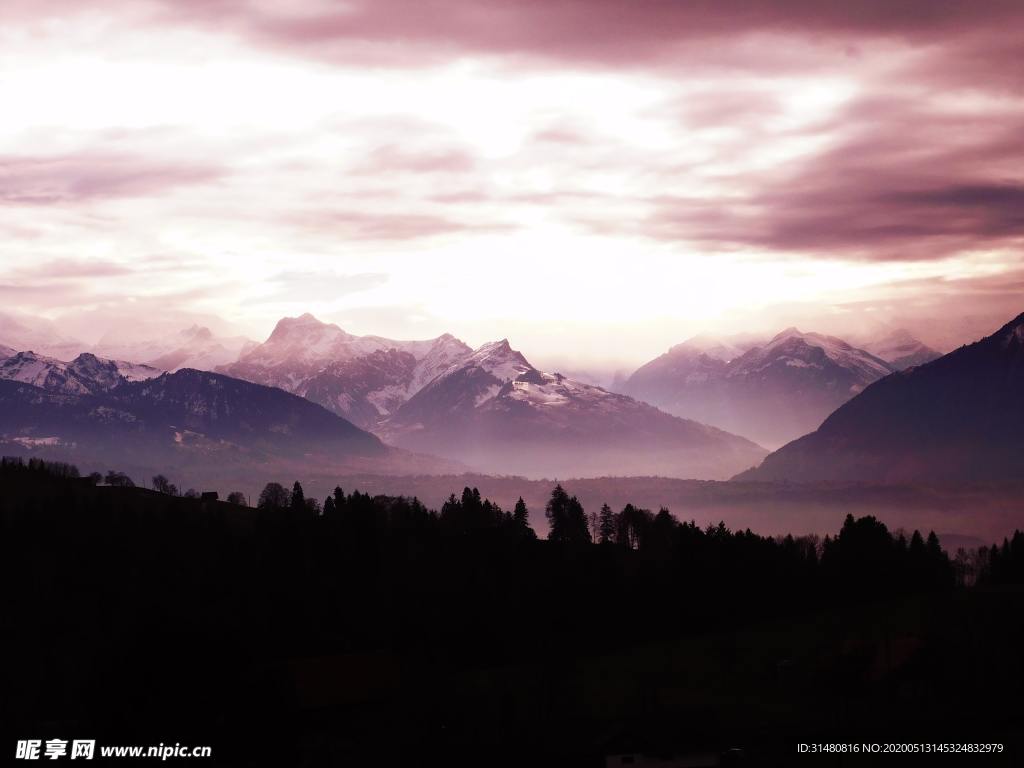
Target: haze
pixel 593 183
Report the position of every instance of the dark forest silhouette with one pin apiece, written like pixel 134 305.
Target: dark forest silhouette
pixel 369 621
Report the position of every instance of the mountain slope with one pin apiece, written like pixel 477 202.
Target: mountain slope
pixel 160 413
pixel 958 418
pixel 771 393
pixel 86 374
pixel 362 378
pixel 497 412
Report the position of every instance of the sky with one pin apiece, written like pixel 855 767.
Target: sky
pixel 595 180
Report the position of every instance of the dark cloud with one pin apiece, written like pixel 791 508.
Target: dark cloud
pixel 901 181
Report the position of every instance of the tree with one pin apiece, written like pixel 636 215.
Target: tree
pixel 273 496
pixel 557 513
pixel 329 508
pixel 605 524
pixel 118 479
pixel 95 478
pixel 163 485
pixel 298 499
pixel 520 514
pixel 236 497
pixel 191 493
pixel 566 518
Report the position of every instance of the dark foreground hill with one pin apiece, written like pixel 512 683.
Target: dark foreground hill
pixel 957 419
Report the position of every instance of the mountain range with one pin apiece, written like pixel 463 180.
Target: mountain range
pixel 771 392
pixel 85 375
pixel 497 412
pixel 959 418
pixel 491 410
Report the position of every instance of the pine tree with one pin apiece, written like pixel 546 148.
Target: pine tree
pixel 298 503
pixel 557 513
pixel 521 515
pixel 606 524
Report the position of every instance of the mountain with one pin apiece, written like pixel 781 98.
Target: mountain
pixel 194 347
pixel 38 334
pixel 198 347
pixel 6 352
pixel 771 393
pixel 362 378
pixel 901 349
pixel 86 374
pixel 722 347
pixel 189 422
pixel 957 419
pixel 496 412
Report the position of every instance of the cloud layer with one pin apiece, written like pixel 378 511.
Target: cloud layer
pixel 677 165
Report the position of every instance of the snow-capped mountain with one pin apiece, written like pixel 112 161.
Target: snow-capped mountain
pixel 958 418
pixel 363 378
pixel 496 412
pixel 771 393
pixel 901 349
pixel 85 375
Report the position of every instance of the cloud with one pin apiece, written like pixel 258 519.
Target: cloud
pixel 91 175
pixel 304 287
pixel 390 159
pixel 383 226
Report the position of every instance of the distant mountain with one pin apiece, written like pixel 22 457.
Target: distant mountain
pixel 363 378
pixel 901 349
pixel 194 347
pixel 38 335
pixel 722 347
pixel 6 352
pixel 496 412
pixel 85 375
pixel 958 418
pixel 770 393
pixel 198 347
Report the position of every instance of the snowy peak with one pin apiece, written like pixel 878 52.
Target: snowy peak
pixel 363 378
pixel 798 349
pixel 290 328
pixel 499 360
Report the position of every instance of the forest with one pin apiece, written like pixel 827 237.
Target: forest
pixel 325 624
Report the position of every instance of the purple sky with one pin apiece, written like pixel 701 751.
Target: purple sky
pixel 597 176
